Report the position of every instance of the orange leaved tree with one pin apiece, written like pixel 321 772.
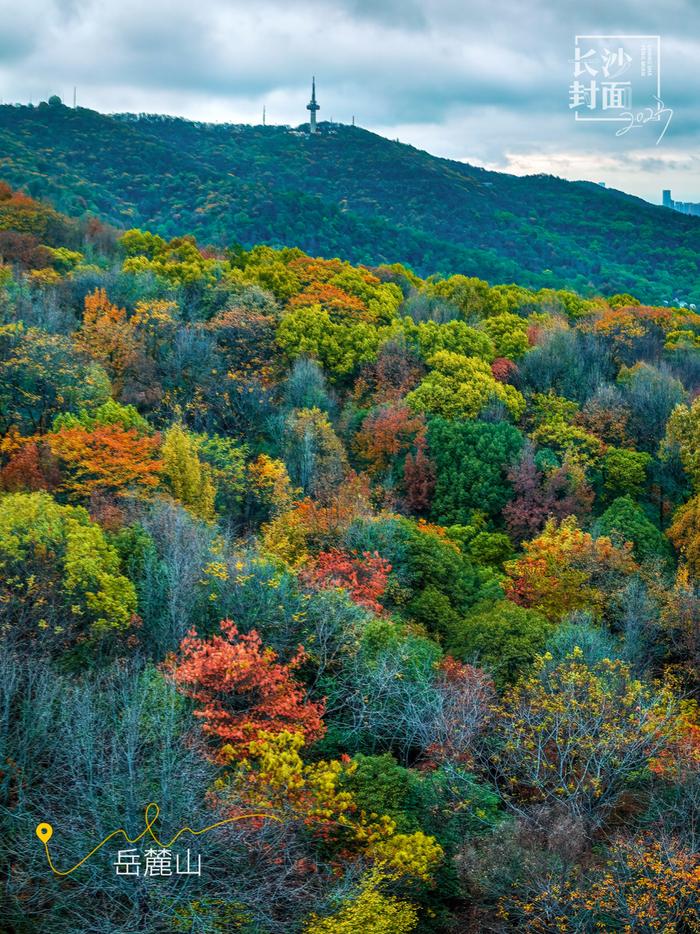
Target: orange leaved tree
pixel 107 460
pixel 241 690
pixel 566 569
pixel 365 576
pixel 108 336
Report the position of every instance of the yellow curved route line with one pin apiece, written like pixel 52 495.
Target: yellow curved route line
pixel 147 830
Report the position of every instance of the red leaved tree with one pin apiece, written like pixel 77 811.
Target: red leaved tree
pixel 31 467
pixel 241 689
pixel 419 479
pixel 538 496
pixel 504 370
pixel 364 577
pixel 107 460
pixel 386 433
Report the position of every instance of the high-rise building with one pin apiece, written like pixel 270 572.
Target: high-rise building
pixel 683 207
pixel 312 106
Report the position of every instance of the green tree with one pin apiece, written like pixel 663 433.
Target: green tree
pixel 432 581
pixel 455 336
pixel 471 461
pixel 179 262
pixel 380 785
pixel 625 521
pixel 61 580
pixel 42 375
pixel 109 413
pixel 227 461
pixel 508 333
pixel 340 348
pixel 502 637
pixel 471 296
pixel 625 472
pixel 460 387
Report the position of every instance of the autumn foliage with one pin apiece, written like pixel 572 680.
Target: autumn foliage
pixel 565 569
pixel 645 885
pixel 31 467
pixel 108 336
pixel 240 689
pixel 387 433
pixel 364 576
pixel 107 459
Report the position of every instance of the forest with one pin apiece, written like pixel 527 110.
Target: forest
pixel 392 576
pixel 349 193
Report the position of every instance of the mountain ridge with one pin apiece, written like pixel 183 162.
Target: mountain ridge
pixel 349 192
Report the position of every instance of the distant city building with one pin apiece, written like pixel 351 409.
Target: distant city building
pixel 684 207
pixel 312 106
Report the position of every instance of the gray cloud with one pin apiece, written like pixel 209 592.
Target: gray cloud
pixel 464 79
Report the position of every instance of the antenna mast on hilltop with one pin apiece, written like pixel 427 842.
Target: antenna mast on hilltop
pixel 312 106
pixel 263 115
pixel 75 97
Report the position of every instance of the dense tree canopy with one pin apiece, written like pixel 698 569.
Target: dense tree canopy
pixel 407 566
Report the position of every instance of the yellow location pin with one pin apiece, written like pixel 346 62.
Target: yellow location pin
pixel 44 832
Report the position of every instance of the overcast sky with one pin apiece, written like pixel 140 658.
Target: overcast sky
pixel 483 82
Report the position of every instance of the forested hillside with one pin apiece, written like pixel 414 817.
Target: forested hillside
pixel 350 193
pixel 407 565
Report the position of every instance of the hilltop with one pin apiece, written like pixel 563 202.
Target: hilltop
pixel 351 193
